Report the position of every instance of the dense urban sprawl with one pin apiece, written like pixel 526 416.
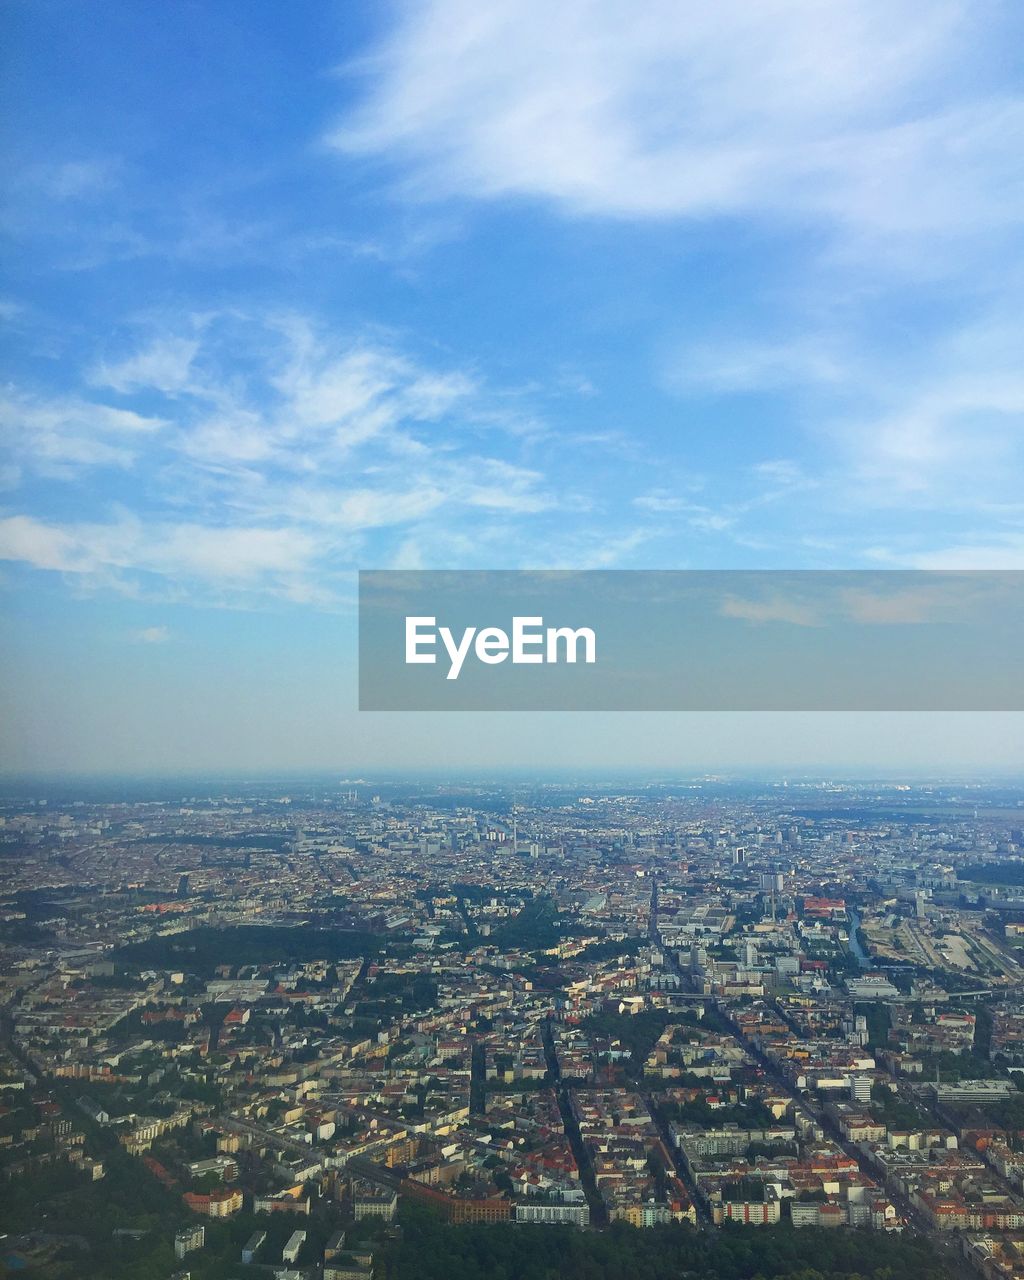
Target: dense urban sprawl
pixel 359 1029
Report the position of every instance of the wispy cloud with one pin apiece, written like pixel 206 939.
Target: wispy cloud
pixel 937 424
pixel 861 113
pixel 269 474
pixel 903 606
pixel 949 431
pixel 184 551
pixel 771 390
pixel 698 517
pixel 773 609
pixel 886 600
pixel 64 434
pixel 163 365
pixel 751 492
pixel 980 552
pixel 873 132
pixel 69 180
pixel 151 635
pixel 730 367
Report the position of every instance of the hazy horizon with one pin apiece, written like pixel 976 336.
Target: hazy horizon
pixel 924 745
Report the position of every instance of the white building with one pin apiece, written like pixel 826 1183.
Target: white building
pixel 291 1251
pixel 578 1214
pixel 188 1240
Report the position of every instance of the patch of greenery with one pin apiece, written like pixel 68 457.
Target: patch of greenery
pixel 639 1032
pixel 1005 873
pixel 747 1115
pixel 536 927
pixel 202 950
pixel 432 1250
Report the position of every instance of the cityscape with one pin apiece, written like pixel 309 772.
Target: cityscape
pixel 350 1028
pixel 511 683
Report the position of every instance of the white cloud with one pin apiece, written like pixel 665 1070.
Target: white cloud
pixel 661 503
pixel 870 120
pixel 901 606
pixel 591 549
pixel 773 609
pixel 361 509
pixel 728 366
pixel 343 392
pixel 43 546
pixel 184 551
pixel 500 486
pixel 60 436
pixel 936 421
pixel 784 472
pixel 696 516
pixel 1001 552
pixel 951 434
pixel 862 111
pixel 164 365
pixel 74 179
pixel 151 635
pixel 232 435
pixel 271 473
pixel 231 553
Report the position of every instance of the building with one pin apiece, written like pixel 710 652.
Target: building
pixel 739 1203
pixel 225 1168
pixel 369 1201
pixel 252 1247
pixel 357 1265
pixel 652 1213
pixel 814 1214
pixel 218 1204
pixel 94 1111
pixel 189 1239
pixel 460 1209
pixel 334 1246
pixel 290 1201
pixel 291 1251
pixel 530 1211
pixel 973 1092
pixel 872 986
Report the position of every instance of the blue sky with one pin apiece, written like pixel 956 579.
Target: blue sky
pixel 294 290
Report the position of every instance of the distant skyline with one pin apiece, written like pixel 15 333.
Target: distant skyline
pixel 291 293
